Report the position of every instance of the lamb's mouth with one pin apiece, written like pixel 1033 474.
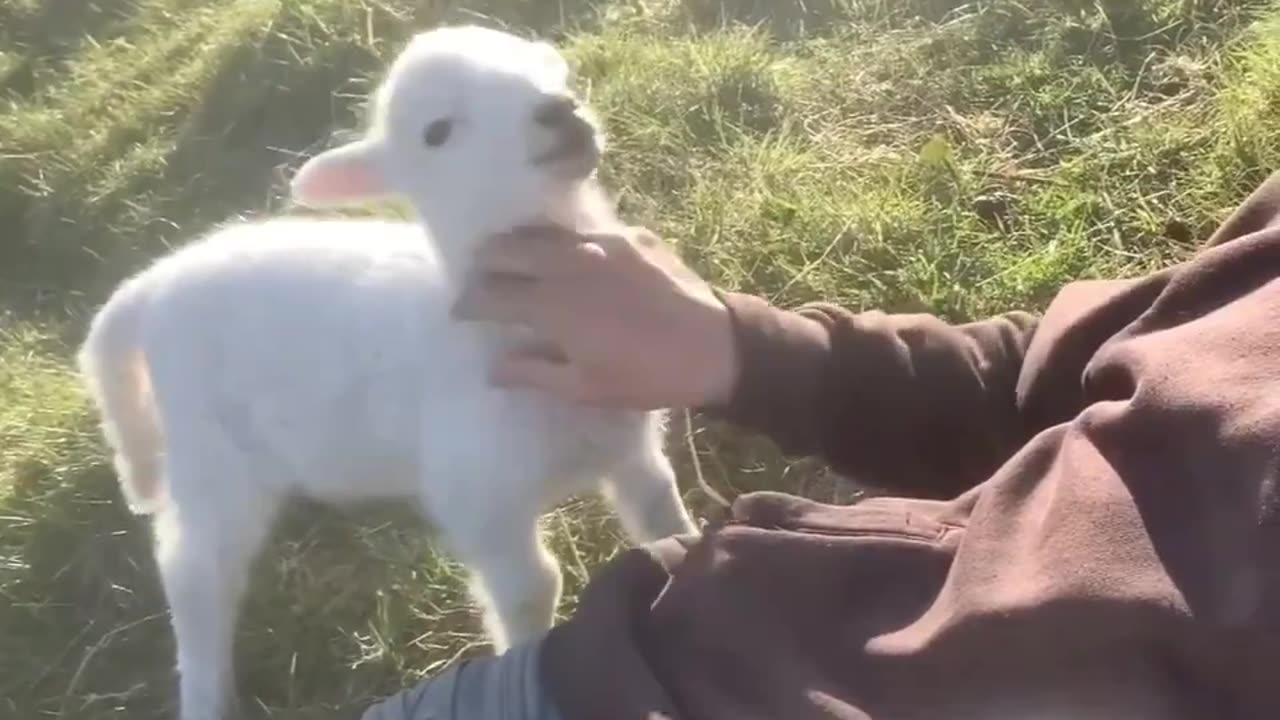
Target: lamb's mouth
pixel 576 154
pixel 570 159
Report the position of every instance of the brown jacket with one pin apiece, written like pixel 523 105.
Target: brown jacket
pixel 1094 534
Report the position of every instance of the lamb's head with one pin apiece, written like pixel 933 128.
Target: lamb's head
pixel 477 128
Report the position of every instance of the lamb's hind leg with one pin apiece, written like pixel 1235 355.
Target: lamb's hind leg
pixel 644 493
pixel 206 540
pixel 513 577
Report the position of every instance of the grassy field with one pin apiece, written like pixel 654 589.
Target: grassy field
pixel 955 157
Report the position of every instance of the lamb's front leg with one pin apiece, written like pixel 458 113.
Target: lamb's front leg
pixel 644 493
pixel 513 577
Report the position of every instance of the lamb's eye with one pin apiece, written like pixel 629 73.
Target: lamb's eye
pixel 437 132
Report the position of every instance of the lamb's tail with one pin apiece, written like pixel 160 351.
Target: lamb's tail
pixel 115 372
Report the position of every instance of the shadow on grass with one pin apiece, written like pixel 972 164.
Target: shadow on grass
pixel 270 105
pixel 332 619
pixel 1111 30
pixel 257 117
pixel 50 33
pixel 83 599
pixel 551 20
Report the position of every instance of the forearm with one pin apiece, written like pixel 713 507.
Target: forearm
pixel 907 402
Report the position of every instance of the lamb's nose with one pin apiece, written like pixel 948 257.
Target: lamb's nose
pixel 556 112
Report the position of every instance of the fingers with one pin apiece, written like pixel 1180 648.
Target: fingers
pixel 525 275
pixel 500 298
pixel 540 252
pixel 534 371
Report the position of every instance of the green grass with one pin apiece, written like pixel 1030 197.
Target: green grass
pixel 959 158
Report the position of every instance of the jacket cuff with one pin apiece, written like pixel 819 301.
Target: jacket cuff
pixel 781 357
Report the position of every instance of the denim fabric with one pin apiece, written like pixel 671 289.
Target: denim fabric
pixel 502 687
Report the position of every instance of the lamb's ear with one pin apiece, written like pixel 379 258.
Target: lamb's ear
pixel 346 175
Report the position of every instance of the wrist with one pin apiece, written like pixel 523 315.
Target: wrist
pixel 778 364
pixel 722 365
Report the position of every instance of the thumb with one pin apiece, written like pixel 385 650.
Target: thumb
pixel 538 372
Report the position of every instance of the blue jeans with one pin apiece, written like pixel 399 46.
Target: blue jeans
pixel 502 687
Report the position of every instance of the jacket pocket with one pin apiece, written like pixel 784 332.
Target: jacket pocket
pixel 900 518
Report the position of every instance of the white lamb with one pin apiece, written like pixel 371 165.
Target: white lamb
pixel 317 357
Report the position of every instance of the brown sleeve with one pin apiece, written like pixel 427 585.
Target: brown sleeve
pixel 909 403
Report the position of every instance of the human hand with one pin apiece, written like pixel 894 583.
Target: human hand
pixel 634 326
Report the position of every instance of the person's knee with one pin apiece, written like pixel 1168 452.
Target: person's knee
pixel 496 687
